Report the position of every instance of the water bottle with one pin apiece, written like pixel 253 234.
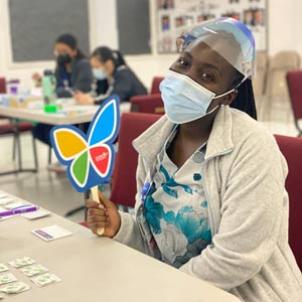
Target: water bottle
pixel 49 92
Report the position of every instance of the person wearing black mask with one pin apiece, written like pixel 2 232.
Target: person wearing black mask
pixel 73 73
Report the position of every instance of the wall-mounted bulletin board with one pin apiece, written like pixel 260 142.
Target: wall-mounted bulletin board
pixel 173 17
pixel 35 25
pixel 133 22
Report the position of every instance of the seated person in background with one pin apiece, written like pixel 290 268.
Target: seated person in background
pixel 73 70
pixel 73 73
pixel 113 76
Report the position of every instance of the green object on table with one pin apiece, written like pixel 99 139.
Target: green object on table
pixel 50 108
pixel 49 87
pixel 49 92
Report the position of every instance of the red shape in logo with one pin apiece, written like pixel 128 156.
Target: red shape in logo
pixel 100 157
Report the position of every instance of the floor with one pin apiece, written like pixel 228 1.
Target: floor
pixel 53 191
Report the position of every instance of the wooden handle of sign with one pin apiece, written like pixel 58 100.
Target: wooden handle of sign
pixel 94 191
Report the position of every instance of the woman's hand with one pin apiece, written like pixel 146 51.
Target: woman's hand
pixel 103 215
pixel 83 98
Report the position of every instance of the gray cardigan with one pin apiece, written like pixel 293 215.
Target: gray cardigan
pixel 244 179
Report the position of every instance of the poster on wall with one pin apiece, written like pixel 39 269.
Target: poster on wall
pixel 177 16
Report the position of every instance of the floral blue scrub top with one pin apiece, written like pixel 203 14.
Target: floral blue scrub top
pixel 176 208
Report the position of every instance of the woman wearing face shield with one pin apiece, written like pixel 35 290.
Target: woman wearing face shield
pixel 112 76
pixel 211 197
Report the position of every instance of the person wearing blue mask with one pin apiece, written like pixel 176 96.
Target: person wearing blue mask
pixel 211 197
pixel 112 76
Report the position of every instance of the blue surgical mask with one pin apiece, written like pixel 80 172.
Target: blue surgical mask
pixel 184 99
pixel 99 73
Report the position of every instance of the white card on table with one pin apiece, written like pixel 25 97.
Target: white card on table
pixel 7 278
pixel 3 268
pixel 33 270
pixel 45 279
pixel 51 233
pixel 15 288
pixel 20 262
pixel 36 215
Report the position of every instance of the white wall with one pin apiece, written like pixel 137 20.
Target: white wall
pixel 105 23
pixel 285 25
pixel 285 22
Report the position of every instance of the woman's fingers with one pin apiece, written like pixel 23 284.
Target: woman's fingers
pixel 97 212
pixel 92 204
pixel 105 201
pixel 97 219
pixel 94 223
pixel 103 215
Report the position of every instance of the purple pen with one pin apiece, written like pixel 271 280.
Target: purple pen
pixel 20 210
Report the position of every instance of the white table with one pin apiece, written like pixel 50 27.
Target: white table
pixel 73 114
pixel 96 269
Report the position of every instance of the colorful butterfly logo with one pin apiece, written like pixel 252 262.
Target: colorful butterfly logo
pixel 89 158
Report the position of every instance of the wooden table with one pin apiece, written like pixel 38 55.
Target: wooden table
pixel 96 269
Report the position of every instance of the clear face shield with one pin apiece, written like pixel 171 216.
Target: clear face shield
pixel 225 42
pixel 229 38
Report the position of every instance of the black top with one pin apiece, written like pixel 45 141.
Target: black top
pixel 125 84
pixel 80 78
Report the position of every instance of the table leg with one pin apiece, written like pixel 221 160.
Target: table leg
pixel 17 145
pixel 75 210
pixel 80 208
pixel 14 148
pixel 35 152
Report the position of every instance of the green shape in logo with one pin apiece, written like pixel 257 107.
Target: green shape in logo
pixel 79 168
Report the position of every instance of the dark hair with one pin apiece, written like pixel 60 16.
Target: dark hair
pixel 245 100
pixel 68 40
pixel 71 41
pixel 104 54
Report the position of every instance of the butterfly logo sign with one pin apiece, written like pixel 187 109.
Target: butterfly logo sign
pixel 89 158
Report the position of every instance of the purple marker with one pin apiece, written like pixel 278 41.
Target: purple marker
pixel 20 210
